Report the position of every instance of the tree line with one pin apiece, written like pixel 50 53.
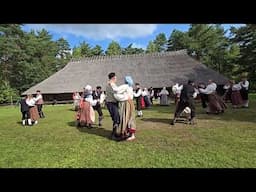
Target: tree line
pixel 27 58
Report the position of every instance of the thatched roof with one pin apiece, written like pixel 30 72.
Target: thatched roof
pixel 156 70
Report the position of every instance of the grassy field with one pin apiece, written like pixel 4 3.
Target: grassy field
pixel 216 141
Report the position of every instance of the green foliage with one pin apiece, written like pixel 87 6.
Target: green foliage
pixel 85 49
pixel 160 42
pixel 129 50
pixel 26 58
pixel 151 48
pixel 97 50
pixel 178 40
pixel 114 49
pixel 76 52
pixel 7 94
pixel 245 37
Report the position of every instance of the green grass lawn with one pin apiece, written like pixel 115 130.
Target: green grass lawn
pixel 216 141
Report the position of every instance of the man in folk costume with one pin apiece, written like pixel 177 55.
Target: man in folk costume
pixel 138 96
pixel 86 112
pixel 40 103
pixel 33 111
pixel 188 93
pixel 203 96
pixel 176 90
pixel 24 108
pixel 151 94
pixel 112 104
pixel 124 94
pixel 164 96
pixel 216 104
pixel 244 91
pixel 97 95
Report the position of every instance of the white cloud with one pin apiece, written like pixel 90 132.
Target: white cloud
pixel 99 31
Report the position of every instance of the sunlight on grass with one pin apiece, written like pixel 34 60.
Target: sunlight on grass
pixel 216 141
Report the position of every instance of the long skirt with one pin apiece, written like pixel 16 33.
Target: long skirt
pixel 164 100
pixel 244 94
pixel 236 98
pixel 86 114
pixel 34 115
pixel 127 118
pixel 216 104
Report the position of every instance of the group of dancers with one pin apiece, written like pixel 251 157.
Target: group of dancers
pixel 211 101
pixel 32 108
pixel 119 102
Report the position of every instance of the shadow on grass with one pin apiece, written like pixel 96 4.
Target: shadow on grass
pixel 157 120
pixel 230 114
pixel 166 121
pixel 100 131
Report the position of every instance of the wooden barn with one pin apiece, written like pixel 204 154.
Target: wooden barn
pixel 155 70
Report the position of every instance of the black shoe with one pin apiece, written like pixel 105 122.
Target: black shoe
pixel 100 124
pixel 173 121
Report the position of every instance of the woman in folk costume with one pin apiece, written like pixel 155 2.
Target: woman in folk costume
pixel 228 90
pixel 244 91
pixel 215 105
pixel 124 94
pixel 39 103
pixel 164 96
pixel 76 99
pixel 138 95
pixel 176 90
pixel 236 98
pixel 86 115
pixel 33 112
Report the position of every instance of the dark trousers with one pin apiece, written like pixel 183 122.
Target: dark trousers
pixel 98 109
pixel 25 115
pixel 40 111
pixel 182 105
pixel 114 113
pixel 204 99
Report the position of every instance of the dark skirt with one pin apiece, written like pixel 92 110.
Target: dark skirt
pixel 236 98
pixel 244 94
pixel 139 103
pixel 216 104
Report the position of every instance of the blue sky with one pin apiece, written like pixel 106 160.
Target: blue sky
pixel 103 34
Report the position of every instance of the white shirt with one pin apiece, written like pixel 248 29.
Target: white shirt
pixel 195 93
pixel 226 87
pixel 245 84
pixel 122 92
pixel 144 93
pixel 138 93
pixel 32 102
pixel 152 93
pixel 89 99
pixel 236 87
pixel 176 89
pixel 211 88
pixel 102 98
